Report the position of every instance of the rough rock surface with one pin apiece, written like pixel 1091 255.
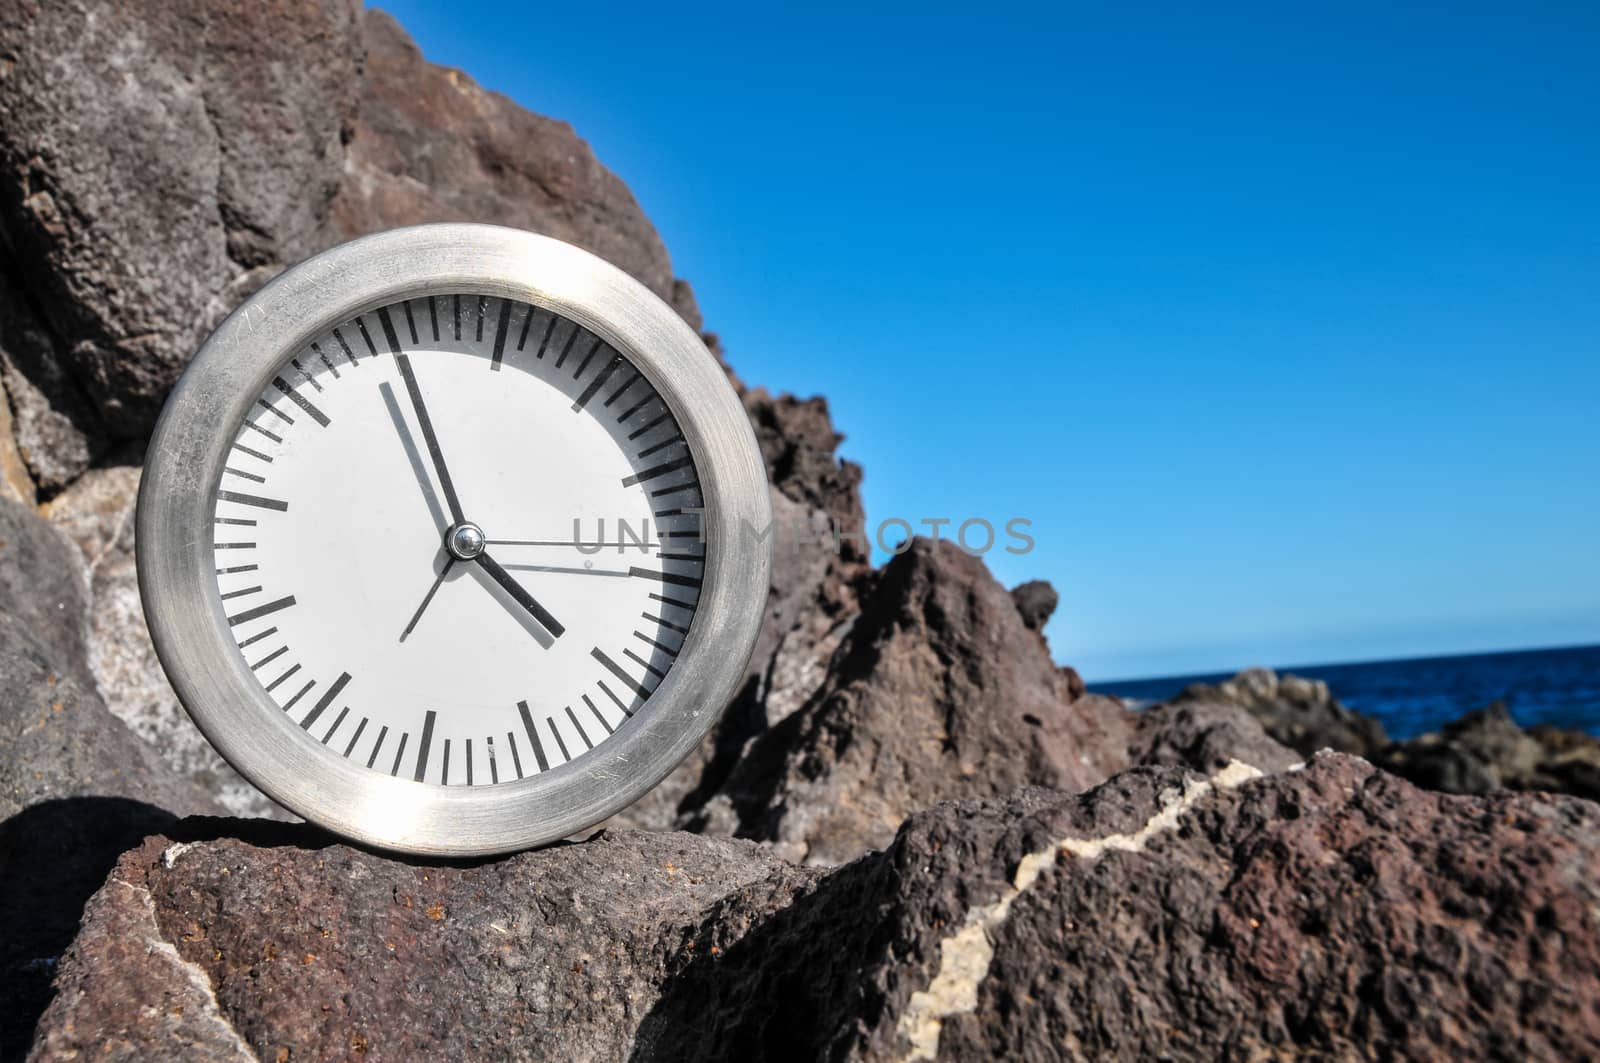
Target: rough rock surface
pixel 160 161
pixel 57 740
pixel 43 586
pixel 157 160
pixel 820 561
pixel 76 786
pixel 1205 736
pixel 1482 752
pixel 1334 911
pixel 1300 713
pixel 52 429
pixel 321 951
pixel 938 691
pixel 97 513
pixel 16 481
pixel 1486 751
pixel 1036 601
pixel 431 145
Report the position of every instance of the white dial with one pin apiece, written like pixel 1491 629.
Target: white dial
pixel 458 540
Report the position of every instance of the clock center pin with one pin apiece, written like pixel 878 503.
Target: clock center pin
pixel 465 541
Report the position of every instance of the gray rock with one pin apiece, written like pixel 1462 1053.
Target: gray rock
pixel 58 741
pixel 1204 736
pixel 44 587
pixel 1300 713
pixel 97 513
pixel 1036 601
pixel 1486 751
pixel 55 429
pixel 157 161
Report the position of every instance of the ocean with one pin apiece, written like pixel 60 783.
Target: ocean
pixel 1560 687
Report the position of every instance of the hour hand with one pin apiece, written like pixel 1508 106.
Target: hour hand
pixel 520 594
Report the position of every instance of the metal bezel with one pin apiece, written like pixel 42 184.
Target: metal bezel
pixel 183 468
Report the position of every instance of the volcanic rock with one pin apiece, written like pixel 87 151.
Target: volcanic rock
pixel 43 587
pixel 1205 736
pixel 1486 751
pixel 938 691
pixel 76 786
pixel 158 160
pixel 1036 601
pixel 820 559
pixel 429 144
pixel 97 513
pixel 306 949
pixel 1334 911
pixel 1300 713
pixel 57 739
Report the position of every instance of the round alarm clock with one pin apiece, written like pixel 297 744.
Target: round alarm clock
pixel 453 539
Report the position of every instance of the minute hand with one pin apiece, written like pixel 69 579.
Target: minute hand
pixel 404 362
pixel 523 598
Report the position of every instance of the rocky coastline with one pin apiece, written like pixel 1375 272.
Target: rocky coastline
pixel 913 835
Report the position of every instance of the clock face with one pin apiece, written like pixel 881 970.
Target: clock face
pixel 458 540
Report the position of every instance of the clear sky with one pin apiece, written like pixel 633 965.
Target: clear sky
pixel 1281 323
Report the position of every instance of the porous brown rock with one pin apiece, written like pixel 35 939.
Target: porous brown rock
pixel 1298 712
pixel 1331 912
pixel 299 948
pixel 938 691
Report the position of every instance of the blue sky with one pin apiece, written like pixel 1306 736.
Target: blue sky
pixel 1281 323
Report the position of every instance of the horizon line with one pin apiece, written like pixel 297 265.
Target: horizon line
pixel 1288 668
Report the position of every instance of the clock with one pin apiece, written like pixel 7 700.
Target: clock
pixel 454 539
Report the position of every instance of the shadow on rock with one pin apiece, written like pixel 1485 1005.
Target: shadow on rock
pixel 784 989
pixel 56 855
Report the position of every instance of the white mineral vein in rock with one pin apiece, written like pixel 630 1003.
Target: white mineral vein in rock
pixel 964 956
pixel 192 973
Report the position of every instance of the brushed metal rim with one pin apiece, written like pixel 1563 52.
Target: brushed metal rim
pixel 183 468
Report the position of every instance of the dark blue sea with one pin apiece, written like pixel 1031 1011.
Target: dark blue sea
pixel 1559 687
